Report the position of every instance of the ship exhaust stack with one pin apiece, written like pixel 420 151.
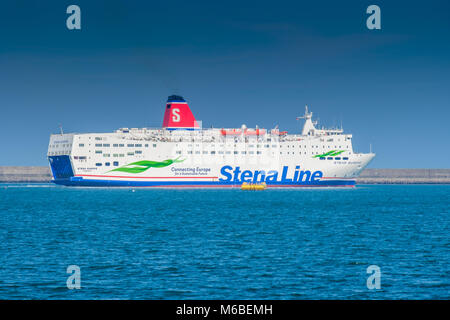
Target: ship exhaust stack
pixel 178 115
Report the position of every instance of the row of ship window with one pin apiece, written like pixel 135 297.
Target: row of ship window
pixel 276 146
pixel 139 152
pixel 131 145
pixel 118 145
pixel 108 164
pixel 118 154
pixel 237 152
pixel 116 163
pixel 335 158
pixel 268 139
pixel 53 146
pixel 205 152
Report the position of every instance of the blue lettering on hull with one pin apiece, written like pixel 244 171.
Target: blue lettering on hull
pixel 298 176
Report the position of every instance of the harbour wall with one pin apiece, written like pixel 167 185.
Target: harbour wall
pixel 404 176
pixel 25 174
pixel 11 174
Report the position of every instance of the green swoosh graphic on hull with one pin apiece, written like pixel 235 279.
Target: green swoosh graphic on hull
pixel 141 166
pixel 329 153
pixel 337 153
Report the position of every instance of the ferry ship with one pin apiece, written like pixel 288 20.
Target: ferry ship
pixel 183 154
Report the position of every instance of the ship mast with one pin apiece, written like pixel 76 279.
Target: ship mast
pixel 309 125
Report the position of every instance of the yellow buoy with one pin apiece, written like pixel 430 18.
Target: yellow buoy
pixel 253 186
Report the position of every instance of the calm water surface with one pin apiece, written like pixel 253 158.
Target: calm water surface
pixel 224 244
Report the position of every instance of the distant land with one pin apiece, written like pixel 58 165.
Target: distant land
pixel 10 174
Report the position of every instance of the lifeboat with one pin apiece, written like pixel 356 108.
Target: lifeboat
pixel 253 186
pixel 247 132
pixel 233 132
pixel 256 132
pixel 278 133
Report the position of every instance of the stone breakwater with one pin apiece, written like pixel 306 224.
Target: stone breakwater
pixel 368 176
pixel 404 176
pixel 25 174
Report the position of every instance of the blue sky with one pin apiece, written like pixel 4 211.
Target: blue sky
pixel 252 62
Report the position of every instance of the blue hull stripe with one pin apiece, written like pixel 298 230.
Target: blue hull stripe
pixel 124 183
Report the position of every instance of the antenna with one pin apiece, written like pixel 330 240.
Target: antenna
pixel 370 148
pixel 61 129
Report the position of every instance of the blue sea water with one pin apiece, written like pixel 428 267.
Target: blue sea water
pixel 225 244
